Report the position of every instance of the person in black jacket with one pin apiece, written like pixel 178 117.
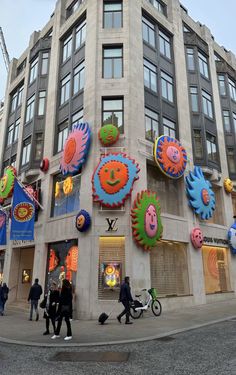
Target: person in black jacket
pixel 64 310
pixel 34 295
pixel 51 303
pixel 125 297
pixel 4 296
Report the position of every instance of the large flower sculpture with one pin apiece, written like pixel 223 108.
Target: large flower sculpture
pixel 201 196
pixel 108 134
pixel 76 149
pixel 113 179
pixel 170 156
pixel 7 182
pixel 146 219
pixel 232 237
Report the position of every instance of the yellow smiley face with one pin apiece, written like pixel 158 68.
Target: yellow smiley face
pixel 228 185
pixel 68 185
pixel 80 221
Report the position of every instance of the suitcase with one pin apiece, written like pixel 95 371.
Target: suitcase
pixel 103 317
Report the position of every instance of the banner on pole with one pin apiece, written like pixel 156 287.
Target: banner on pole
pixel 3 228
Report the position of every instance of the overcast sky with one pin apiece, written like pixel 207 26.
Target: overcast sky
pixel 19 18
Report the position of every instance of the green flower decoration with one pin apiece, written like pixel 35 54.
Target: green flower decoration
pixel 108 134
pixel 7 182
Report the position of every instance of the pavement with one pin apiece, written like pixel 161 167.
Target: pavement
pixel 15 328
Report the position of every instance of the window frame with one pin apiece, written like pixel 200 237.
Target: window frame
pixel 113 15
pixel 150 114
pixel 209 147
pixel 80 34
pixel 114 60
pixel 30 107
pixel 167 86
pixel 26 151
pixel 149 26
pixel 207 104
pixel 194 99
pixel 79 77
pixel 65 88
pixel 166 125
pixel 152 73
pixel 164 45
pixel 113 111
pixel 33 70
pixel 203 65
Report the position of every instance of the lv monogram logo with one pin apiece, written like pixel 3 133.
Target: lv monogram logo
pixel 111 224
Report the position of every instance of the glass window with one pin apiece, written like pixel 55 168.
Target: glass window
pixel 231 160
pixel 149 32
pixel 226 121
pixel 38 151
pixel 26 151
pixel 77 117
pixel 190 59
pixel 164 45
pixel 44 68
pixel 67 48
pixel 42 101
pixel 207 104
pixel 20 94
pixel 234 121
pixel 13 161
pixel 167 87
pixel 232 89
pixel 65 89
pixel 10 132
pixel 112 14
pixel 197 140
pixel 80 35
pixel 159 6
pixel 168 127
pixel 150 75
pixel 194 98
pixel 78 78
pixel 34 70
pixel 222 87
pixel 211 147
pixel 30 109
pixel 112 113
pixel 62 203
pixel 62 135
pixel 203 65
pixel 151 125
pixel 13 102
pixel 112 62
pixel 16 130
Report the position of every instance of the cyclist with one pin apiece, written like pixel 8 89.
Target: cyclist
pixel 125 297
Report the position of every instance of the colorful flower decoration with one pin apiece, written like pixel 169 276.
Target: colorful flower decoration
pixel 212 263
pixel 170 156
pixel 83 221
pixel 71 260
pixel 108 134
pixel 228 185
pixel 232 237
pixel 57 190
pixel 68 185
pixel 197 238
pixel 76 149
pixel 113 179
pixel 201 196
pixel 146 219
pixel 7 182
pixel 53 260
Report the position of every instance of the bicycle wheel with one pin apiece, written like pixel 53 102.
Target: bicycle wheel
pixel 135 314
pixel 156 307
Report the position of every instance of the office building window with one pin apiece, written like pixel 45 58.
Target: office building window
pixel 44 68
pixel 112 62
pixel 159 6
pixel 234 121
pixel 77 117
pixel 13 161
pixel 148 32
pixel 42 101
pixel 13 102
pixel 203 65
pixel 169 127
pixel 151 125
pixel 226 121
pixel 211 147
pixel 62 203
pixel 16 130
pixel 78 83
pixel 231 160
pixel 150 75
pixel 197 141
pixel 67 48
pixel 194 98
pixel 73 7
pixel 167 87
pixel 112 113
pixel 34 70
pixel 10 132
pixel 26 151
pixel 165 47
pixel 20 94
pixel 80 35
pixel 38 151
pixel 65 89
pixel 222 88
pixel 190 59
pixel 207 104
pixel 112 14
pixel 30 109
pixel 62 135
pixel 232 89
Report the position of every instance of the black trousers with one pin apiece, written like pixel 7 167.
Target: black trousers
pixel 48 323
pixel 59 323
pixel 126 310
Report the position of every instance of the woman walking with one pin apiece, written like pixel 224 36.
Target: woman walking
pixel 64 310
pixel 52 300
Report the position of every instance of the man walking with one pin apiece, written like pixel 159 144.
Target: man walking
pixel 34 295
pixel 125 298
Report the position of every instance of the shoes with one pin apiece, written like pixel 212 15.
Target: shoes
pixel 46 333
pixel 119 319
pixel 128 322
pixel 30 319
pixel 37 317
pixel 67 338
pixel 55 337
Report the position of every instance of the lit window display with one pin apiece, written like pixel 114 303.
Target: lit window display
pixel 66 196
pixel 26 276
pixel 111 273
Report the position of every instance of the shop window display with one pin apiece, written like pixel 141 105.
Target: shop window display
pixel 111 273
pixel 26 276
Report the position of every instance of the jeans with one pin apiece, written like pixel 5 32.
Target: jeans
pixel 34 305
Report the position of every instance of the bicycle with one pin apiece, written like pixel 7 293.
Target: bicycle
pixel 137 308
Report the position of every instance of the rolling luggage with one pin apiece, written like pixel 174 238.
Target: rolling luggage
pixel 103 316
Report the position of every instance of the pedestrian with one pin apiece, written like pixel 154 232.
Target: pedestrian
pixel 64 310
pixel 34 296
pixel 52 301
pixel 125 298
pixel 4 292
pixel 1 300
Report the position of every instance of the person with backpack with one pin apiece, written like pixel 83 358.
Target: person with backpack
pixel 34 296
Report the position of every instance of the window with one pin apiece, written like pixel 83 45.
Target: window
pixel 16 130
pixel 78 78
pixel 233 195
pixel 231 160
pixel 77 117
pixel 20 94
pixel 167 87
pixel 30 109
pixel 38 151
pixel 10 132
pixel 168 127
pixel 222 87
pixel 150 75
pixel 42 100
pixel 13 161
pixel 197 141
pixel 73 7
pixel 65 203
pixel 151 125
pixel 164 45
pixel 226 121
pixel 34 70
pixel 65 89
pixel 232 89
pixel 16 98
pixel 149 32
pixel 211 147
pixel 80 34
pixel 234 121
pixel 203 65
pixel 67 48
pixel 44 68
pixel 21 67
pixel 112 62
pixel 190 59
pixel 62 135
pixel 112 14
pixel 194 98
pixel 159 6
pixel 112 113
pixel 13 102
pixel 26 151
pixel 207 104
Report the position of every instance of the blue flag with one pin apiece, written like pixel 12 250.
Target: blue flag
pixel 3 228
pixel 22 215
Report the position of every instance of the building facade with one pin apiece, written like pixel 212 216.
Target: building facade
pixel 149 69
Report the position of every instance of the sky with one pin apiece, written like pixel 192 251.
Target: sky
pixel 19 18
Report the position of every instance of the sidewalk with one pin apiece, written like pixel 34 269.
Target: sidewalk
pixel 16 328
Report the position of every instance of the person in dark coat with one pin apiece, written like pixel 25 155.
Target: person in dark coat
pixel 34 296
pixel 4 296
pixel 1 300
pixel 125 298
pixel 52 300
pixel 64 310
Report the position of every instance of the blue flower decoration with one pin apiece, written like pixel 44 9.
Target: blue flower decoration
pixel 201 196
pixel 232 238
pixel 82 221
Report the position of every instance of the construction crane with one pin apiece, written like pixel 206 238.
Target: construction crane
pixel 4 50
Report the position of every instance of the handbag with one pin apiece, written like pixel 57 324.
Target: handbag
pixel 43 303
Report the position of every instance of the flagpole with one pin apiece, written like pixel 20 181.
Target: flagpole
pixel 31 196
